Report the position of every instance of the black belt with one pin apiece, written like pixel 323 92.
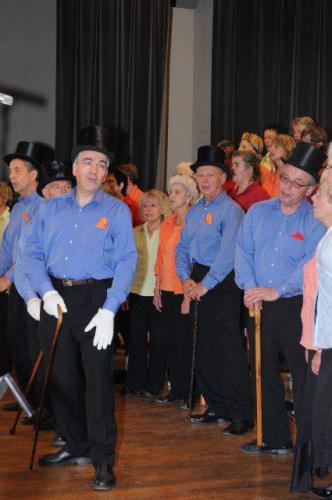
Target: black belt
pixel 88 281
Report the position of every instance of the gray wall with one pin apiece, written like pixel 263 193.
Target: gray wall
pixel 190 81
pixel 28 70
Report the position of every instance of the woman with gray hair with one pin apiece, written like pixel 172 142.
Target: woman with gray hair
pixel 168 296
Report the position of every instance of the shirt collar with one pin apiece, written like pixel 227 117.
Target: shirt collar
pixel 98 197
pixel 218 200
pixel 31 197
pixel 302 209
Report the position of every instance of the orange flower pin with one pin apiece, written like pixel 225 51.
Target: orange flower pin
pixel 208 218
pixel 102 223
pixel 26 216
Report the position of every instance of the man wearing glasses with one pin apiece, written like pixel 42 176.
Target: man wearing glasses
pixel 276 239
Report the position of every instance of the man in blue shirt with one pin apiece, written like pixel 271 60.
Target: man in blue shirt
pixel 204 263
pixel 24 169
pixel 81 255
pixel 276 239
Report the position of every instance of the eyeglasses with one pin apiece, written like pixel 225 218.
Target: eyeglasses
pixel 294 184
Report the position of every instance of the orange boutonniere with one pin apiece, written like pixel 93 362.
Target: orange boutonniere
pixel 102 223
pixel 208 218
pixel 298 236
pixel 26 216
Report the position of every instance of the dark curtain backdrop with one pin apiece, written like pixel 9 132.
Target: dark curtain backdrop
pixel 271 62
pixel 111 57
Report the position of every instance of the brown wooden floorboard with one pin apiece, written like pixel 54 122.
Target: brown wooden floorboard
pixel 159 457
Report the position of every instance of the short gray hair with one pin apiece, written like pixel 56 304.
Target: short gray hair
pixel 187 182
pixel 78 158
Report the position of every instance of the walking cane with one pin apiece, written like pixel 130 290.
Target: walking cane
pixel 193 359
pixel 45 384
pixel 27 390
pixel 258 368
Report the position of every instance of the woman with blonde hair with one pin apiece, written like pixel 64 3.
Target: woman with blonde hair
pixel 168 295
pixel 146 362
pixel 280 151
pixel 252 143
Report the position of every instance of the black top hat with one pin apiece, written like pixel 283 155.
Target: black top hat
pixel 94 138
pixel 55 171
pixel 308 158
pixel 34 152
pixel 210 155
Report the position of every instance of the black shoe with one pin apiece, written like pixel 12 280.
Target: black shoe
pixel 151 394
pixel 63 457
pixel 11 406
pixel 104 479
pixel 253 448
pixel 238 428
pixel 46 425
pixel 168 400
pixel 209 417
pixel 58 441
pixel 126 390
pixel 322 492
pixel 46 415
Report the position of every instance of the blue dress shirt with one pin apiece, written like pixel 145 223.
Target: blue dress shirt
pixel 21 216
pixel 272 247
pixel 209 238
pixel 68 241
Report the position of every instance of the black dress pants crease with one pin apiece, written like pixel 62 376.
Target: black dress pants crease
pixel 85 419
pixel 178 341
pixel 147 360
pixel 221 366
pixel 281 330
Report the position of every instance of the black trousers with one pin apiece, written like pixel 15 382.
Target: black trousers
pixel 22 336
pixel 281 332
pixel 221 366
pixel 5 356
pixel 178 341
pixel 84 418
pixel 147 361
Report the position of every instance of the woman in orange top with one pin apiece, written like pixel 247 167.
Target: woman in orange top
pixel 168 296
pixel 280 151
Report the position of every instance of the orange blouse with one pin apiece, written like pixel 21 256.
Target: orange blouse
pixel 165 267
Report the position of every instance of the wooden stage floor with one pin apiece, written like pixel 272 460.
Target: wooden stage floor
pixel 159 456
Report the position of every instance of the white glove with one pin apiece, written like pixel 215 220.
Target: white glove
pixel 33 307
pixel 51 300
pixel 104 323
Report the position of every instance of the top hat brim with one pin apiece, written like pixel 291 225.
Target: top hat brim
pixel 44 182
pixel 8 158
pixel 220 165
pixel 299 165
pixel 79 148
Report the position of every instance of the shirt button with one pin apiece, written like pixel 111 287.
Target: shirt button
pixel 270 281
pixel 80 210
pixel 276 249
pixel 70 241
pixel 63 275
pixel 75 225
pixel 66 258
pixel 272 265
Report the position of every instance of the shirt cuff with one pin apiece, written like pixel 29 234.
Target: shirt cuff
pixel 287 290
pixel 249 284
pixel 45 287
pixel 10 274
pixel 209 282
